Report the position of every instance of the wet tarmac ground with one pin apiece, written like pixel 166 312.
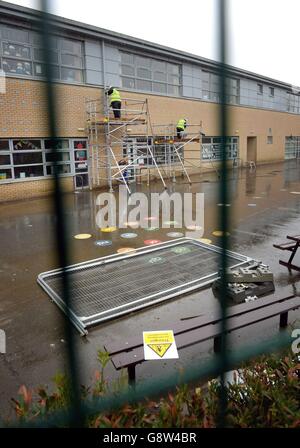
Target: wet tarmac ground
pixel 264 207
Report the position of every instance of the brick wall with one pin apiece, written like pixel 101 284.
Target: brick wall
pixel 24 109
pixel 32 189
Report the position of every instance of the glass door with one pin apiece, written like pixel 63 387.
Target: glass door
pixel 130 157
pixel 81 163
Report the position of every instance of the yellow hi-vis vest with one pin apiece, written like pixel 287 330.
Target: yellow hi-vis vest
pixel 181 124
pixel 115 96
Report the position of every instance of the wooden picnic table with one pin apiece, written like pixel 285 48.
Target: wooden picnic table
pixel 292 246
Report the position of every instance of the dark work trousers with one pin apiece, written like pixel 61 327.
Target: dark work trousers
pixel 179 132
pixel 116 106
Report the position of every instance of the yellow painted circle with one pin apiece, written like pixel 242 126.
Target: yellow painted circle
pixel 82 236
pixel 205 240
pixel 124 250
pixel 108 229
pixel 131 223
pixel 194 227
pixel 219 233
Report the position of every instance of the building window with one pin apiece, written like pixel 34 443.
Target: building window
pixel 150 75
pixel 293 103
pixel 135 149
pixel 4 145
pixel 260 89
pixel 20 145
pixel 271 91
pixel 26 158
pixel 292 147
pixel 28 171
pixel 27 58
pixel 16 51
pixel 212 148
pixel 5 160
pixel 62 154
pixel 5 173
pixel 80 156
pixel 270 140
pixel 211 88
pixel 16 67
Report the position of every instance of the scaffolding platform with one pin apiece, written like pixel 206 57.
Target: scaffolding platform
pixel 119 121
pixel 112 286
pixel 176 140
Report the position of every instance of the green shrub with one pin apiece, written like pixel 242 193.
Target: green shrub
pixel 267 396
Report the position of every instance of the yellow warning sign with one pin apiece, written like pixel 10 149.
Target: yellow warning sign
pixel 159 345
pixel 160 349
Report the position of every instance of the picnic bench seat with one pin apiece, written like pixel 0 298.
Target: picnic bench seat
pixel 291 246
pixel 127 354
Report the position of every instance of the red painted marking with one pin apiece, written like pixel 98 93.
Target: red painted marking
pixel 150 242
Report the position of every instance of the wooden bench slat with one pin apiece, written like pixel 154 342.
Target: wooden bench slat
pixel 183 340
pixel 285 246
pixel 197 322
pixel 294 238
pixel 198 335
pixel 289 265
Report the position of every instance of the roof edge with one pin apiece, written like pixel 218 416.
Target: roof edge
pixel 33 15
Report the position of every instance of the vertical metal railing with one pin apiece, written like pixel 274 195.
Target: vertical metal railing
pixel 75 413
pixel 223 193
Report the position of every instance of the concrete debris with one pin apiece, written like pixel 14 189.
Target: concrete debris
pixel 250 299
pixel 238 292
pixel 255 273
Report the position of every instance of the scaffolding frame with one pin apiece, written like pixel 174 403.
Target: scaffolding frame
pixel 142 150
pixel 167 135
pixel 106 133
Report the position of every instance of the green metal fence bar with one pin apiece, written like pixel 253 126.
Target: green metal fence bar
pixel 76 417
pixel 224 199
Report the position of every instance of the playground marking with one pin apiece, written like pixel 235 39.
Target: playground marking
pixel 129 235
pixel 219 233
pixel 125 250
pixel 82 236
pixel 103 243
pixel 151 242
pixel 108 229
pixel 175 234
pixel 205 240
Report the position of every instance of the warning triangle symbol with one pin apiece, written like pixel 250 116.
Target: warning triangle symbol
pixel 160 349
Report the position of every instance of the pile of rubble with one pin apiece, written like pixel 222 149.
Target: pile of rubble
pixel 247 283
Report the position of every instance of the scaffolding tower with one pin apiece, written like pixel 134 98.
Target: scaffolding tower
pixel 119 155
pixel 174 146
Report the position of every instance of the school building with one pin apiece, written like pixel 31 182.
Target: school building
pixel 158 86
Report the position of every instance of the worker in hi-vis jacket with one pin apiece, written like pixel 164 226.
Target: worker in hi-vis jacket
pixel 181 125
pixel 115 101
